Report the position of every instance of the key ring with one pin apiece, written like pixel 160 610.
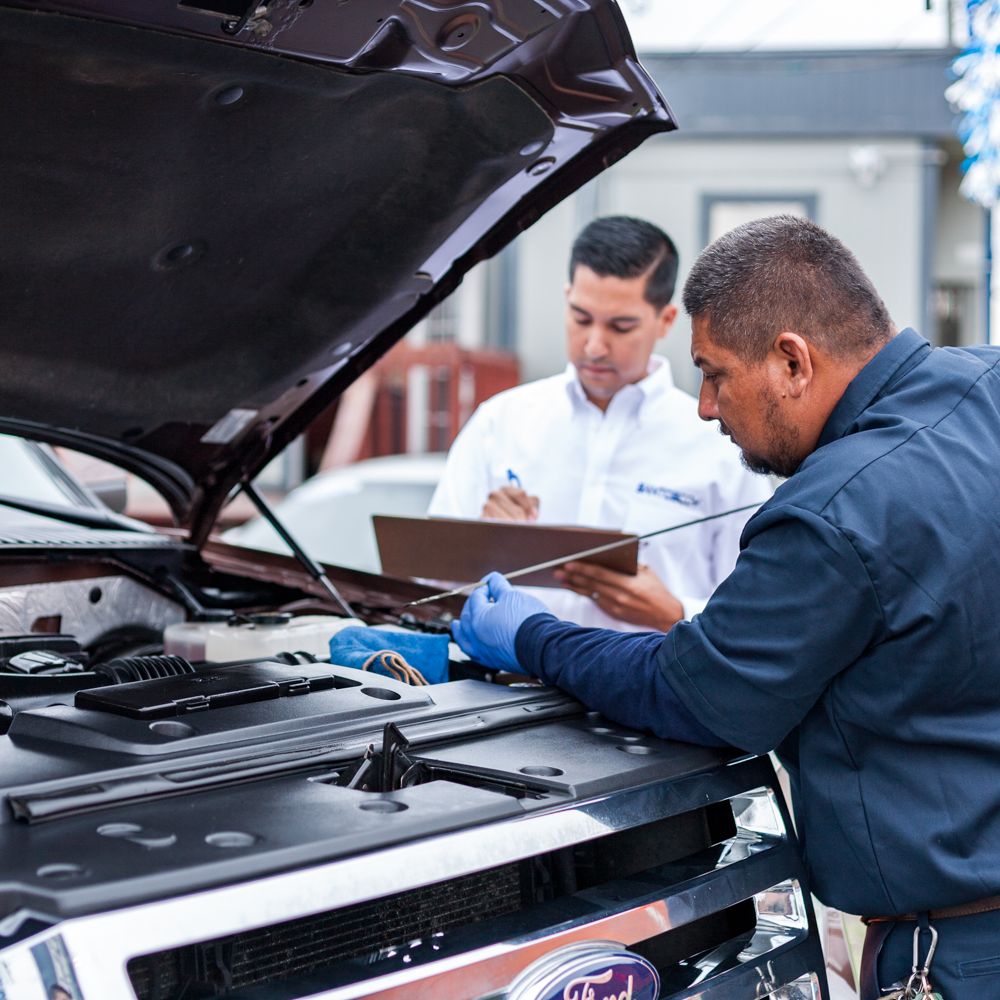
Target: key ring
pixel 926 967
pixel 919 976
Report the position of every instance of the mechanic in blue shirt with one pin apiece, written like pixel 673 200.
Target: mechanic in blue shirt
pixel 859 634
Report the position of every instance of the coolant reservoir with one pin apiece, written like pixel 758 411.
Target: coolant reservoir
pixel 253 637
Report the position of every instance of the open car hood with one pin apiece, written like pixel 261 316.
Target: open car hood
pixel 217 216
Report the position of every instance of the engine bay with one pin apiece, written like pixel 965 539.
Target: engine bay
pixel 99 660
pixel 172 728
pixel 60 642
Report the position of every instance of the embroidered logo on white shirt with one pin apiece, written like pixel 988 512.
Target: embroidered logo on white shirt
pixel 664 493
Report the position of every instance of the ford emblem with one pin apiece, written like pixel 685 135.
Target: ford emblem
pixel 590 970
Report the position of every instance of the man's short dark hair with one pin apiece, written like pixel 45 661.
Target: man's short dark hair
pixel 785 273
pixel 620 246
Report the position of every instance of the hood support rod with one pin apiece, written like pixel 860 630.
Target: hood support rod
pixel 312 567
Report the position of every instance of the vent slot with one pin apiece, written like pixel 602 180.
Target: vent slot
pixel 644 848
pixel 676 953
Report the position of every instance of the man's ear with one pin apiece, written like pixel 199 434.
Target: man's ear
pixel 666 320
pixel 795 361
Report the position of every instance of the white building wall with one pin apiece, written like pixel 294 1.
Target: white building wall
pixel 542 259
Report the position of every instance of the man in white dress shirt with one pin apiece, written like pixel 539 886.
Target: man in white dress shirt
pixel 611 443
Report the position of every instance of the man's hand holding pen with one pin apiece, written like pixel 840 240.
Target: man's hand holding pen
pixel 511 502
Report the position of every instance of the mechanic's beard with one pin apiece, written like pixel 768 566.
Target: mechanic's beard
pixel 783 458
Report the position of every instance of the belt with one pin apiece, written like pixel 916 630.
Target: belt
pixel 963 910
pixel 880 927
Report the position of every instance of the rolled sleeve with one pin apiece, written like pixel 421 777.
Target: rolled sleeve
pixel 798 608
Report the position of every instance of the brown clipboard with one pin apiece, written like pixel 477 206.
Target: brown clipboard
pixel 457 550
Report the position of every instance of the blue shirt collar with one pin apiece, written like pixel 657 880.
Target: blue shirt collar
pixel 899 354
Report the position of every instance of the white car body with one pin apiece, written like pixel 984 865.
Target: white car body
pixel 330 514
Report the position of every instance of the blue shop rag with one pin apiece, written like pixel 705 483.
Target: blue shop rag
pixel 352 646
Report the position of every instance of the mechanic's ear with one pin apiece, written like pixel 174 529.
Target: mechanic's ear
pixel 794 358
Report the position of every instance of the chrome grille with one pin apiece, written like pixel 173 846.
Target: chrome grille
pixel 298 946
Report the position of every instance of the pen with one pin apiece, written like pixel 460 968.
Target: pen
pixel 514 479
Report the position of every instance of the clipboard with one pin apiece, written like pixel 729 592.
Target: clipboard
pixel 462 551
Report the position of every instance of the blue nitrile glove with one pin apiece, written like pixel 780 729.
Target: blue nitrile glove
pixel 490 620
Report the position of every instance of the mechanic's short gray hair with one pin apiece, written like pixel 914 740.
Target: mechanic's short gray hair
pixel 785 273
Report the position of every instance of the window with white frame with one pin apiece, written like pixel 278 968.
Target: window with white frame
pixel 722 212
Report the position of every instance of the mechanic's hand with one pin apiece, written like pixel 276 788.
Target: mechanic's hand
pixel 511 503
pixel 490 620
pixel 639 600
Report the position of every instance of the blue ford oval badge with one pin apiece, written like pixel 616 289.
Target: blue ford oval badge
pixel 590 970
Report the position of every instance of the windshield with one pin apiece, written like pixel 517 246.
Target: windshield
pixel 31 472
pixel 330 514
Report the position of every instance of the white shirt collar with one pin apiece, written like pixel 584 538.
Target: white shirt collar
pixel 659 380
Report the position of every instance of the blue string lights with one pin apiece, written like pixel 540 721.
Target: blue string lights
pixel 976 95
